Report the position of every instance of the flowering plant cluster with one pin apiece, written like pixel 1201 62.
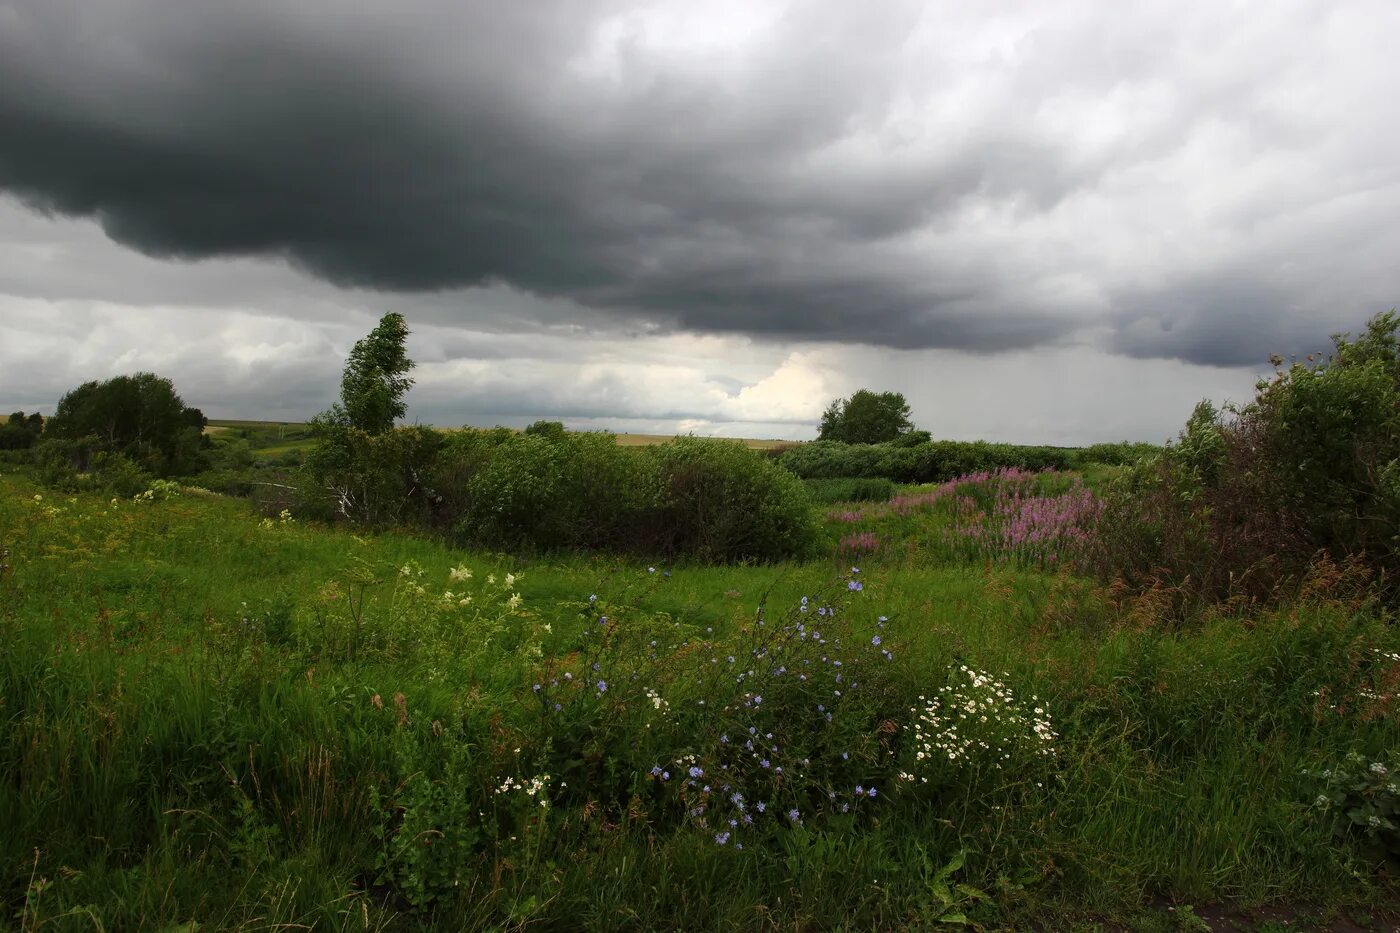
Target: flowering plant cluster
pixel 975 721
pixel 159 491
pixel 785 723
pixel 1007 515
pixel 1362 797
pixel 441 624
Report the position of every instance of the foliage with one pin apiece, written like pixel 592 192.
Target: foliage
pixel 930 462
pixel 375 380
pixel 1362 798
pixel 865 418
pixel 376 479
pixel 361 468
pixel 1241 507
pixel 549 429
pixel 20 432
pixel 720 501
pixel 139 417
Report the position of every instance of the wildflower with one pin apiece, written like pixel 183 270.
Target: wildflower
pixel 721 838
pixel 459 573
pixel 696 771
pixel 651 570
pixel 855 586
pixel 794 816
pixel 593 598
pixel 510 580
pixel 514 601
pixel 602 686
pixel 875 641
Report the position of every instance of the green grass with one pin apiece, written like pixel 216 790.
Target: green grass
pixel 198 724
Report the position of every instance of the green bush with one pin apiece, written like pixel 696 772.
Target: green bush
pixel 1243 507
pixel 927 462
pixel 720 501
pixel 551 491
pixel 709 499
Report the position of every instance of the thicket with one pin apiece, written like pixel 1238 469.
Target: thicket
pixel 543 489
pixel 1247 502
pixel 928 462
pixel 21 431
pixel 708 499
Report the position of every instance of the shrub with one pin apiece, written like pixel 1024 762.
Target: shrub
pixel 377 479
pixel 720 501
pixel 928 462
pixel 1241 507
pixel 551 491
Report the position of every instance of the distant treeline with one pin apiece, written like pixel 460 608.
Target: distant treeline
pixel 928 461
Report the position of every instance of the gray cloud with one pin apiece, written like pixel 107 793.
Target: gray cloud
pixel 908 175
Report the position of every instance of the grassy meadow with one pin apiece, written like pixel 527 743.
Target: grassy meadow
pixel 212 718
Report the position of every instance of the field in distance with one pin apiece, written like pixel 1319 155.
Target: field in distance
pixel 274 438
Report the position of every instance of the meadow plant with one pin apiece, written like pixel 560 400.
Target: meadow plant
pixel 1362 798
pixel 973 725
pixel 1040 520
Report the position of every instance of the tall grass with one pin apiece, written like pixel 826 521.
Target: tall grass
pixel 207 717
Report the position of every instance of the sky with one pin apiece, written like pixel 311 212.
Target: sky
pixel 1047 223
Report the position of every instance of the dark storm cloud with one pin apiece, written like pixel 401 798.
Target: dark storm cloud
pixel 903 176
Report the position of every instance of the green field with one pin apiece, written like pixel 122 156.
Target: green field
pixel 273 439
pixel 219 719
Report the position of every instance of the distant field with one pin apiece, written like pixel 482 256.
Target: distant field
pixel 644 440
pixel 272 438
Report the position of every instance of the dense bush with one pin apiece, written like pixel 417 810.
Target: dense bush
pixel 715 500
pixel 1122 453
pixel 21 432
pixel 377 479
pixel 139 417
pixel 721 501
pixel 928 462
pixel 1241 506
pixel 546 491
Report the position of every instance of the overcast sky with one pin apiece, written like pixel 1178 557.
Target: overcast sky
pixel 1058 222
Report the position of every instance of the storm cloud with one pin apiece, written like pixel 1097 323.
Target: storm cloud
pixel 1208 182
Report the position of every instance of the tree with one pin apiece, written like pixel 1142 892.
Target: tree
pixel 138 416
pixel 866 418
pixel 21 433
pixel 375 380
pixel 370 471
